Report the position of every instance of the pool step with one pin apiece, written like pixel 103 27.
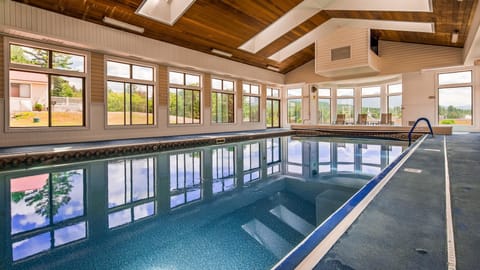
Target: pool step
pixel 269 239
pixel 293 220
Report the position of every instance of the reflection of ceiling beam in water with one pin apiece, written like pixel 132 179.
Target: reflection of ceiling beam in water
pixel 293 220
pixel 269 239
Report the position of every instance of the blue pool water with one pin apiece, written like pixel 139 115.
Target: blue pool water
pixel 232 206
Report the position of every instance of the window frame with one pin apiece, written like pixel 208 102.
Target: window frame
pixel 250 95
pixel 388 95
pixel 271 98
pixel 470 84
pixel 345 97
pixel 131 82
pixel 222 92
pixel 319 97
pixel 294 97
pixel 48 71
pixel 371 96
pixel 185 87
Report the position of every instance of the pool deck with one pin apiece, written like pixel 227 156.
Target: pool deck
pixel 4 151
pixel 404 227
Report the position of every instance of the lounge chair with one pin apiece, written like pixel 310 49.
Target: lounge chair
pixel 386 119
pixel 362 119
pixel 340 119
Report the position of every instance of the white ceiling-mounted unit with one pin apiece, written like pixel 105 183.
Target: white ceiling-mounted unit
pixel 346 52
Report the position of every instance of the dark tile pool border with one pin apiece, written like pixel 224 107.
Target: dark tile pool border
pixel 293 259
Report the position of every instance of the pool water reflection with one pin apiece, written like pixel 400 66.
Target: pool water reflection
pixel 183 209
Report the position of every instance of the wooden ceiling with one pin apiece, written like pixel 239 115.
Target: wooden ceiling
pixel 227 24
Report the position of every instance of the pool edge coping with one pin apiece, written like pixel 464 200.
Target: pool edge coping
pixel 315 246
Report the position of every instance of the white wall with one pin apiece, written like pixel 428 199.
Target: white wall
pixel 22 21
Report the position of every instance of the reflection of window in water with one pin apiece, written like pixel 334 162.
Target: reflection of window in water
pixel 324 157
pixel 345 157
pixel 251 162
pixel 223 169
pixel 294 156
pixel 185 178
pixel 393 153
pixel 47 211
pixel 273 155
pixel 273 169
pixel 371 159
pixel 131 190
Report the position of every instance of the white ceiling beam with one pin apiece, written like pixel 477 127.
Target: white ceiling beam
pixel 336 23
pixel 309 8
pixel 284 24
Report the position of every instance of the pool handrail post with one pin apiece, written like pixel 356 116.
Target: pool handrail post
pixel 414 125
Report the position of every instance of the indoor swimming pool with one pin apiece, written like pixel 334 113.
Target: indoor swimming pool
pixel 227 206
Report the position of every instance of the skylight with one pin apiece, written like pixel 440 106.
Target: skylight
pixel 164 11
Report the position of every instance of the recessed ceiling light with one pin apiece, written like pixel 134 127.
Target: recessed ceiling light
pixel 454 36
pixel 123 25
pixel 221 53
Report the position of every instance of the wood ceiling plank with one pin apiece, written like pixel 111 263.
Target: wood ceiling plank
pixel 227 24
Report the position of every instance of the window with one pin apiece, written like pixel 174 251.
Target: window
pixel 273 107
pixel 294 105
pixel 184 98
pixel 47 211
pixel 455 98
pixel 395 102
pixel 251 162
pixel 251 102
pixel 273 92
pixel 371 103
pixel 185 178
pixel 324 107
pixel 130 94
pixel 223 105
pixel 223 169
pixel 345 104
pixel 131 190
pixel 47 87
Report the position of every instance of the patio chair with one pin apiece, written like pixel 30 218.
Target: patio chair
pixel 386 119
pixel 362 119
pixel 340 119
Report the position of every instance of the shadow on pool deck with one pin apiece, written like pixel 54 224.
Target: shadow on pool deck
pixel 404 227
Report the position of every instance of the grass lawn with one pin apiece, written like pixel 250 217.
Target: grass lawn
pixel 117 118
pixel 40 119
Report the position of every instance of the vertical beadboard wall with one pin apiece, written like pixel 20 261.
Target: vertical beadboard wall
pixel 356 38
pixel 400 57
pixel 395 58
pixel 23 20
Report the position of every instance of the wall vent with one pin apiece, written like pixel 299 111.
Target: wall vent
pixel 340 53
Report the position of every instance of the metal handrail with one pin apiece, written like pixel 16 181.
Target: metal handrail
pixel 413 127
